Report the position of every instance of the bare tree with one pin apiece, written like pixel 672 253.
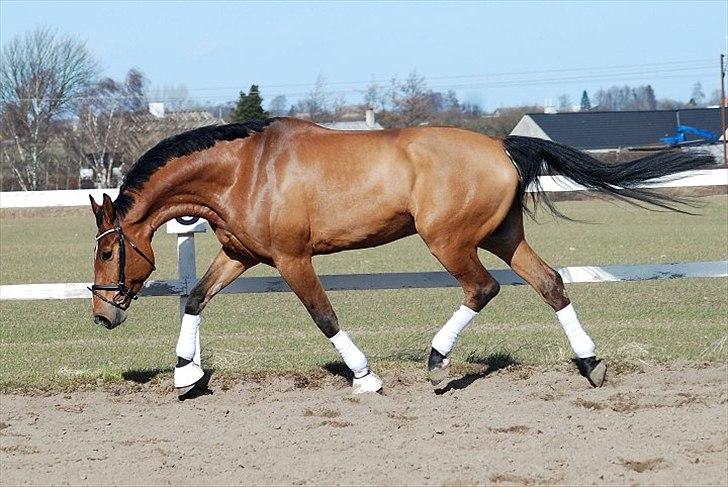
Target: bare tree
pixel 697 96
pixel 103 137
pixel 471 109
pixel 645 98
pixel 278 106
pixel 42 76
pixel 670 104
pixel 565 103
pixel 714 98
pixel 390 94
pixel 338 107
pixel 375 97
pixel 625 97
pixel 413 101
pixel 316 103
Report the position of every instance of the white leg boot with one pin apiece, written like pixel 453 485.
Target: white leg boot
pixel 188 348
pixel 583 346
pixel 364 379
pixel 444 340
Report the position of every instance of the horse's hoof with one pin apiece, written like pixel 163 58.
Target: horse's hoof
pixel 185 392
pixel 369 383
pixel 439 367
pixel 187 377
pixel 594 370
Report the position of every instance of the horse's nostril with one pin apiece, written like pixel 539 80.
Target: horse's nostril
pixel 102 320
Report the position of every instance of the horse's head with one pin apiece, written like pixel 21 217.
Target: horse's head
pixel 122 262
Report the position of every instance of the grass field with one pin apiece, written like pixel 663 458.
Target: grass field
pixel 51 344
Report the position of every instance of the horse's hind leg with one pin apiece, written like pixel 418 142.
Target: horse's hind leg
pixel 299 273
pixel 225 268
pixel 462 262
pixel 509 244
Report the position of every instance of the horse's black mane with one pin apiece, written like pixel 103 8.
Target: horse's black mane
pixel 177 146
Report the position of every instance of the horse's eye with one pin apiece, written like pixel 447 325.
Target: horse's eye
pixel 106 255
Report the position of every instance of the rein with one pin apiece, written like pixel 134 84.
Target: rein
pixel 120 286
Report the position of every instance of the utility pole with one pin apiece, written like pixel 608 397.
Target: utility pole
pixel 722 108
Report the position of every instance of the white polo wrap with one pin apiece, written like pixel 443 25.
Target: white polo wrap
pixel 188 342
pixel 196 358
pixel 353 357
pixel 580 342
pixel 445 339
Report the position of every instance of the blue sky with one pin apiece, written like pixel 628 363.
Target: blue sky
pixel 494 53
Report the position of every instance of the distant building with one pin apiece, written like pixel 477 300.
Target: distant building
pixel 369 123
pixel 609 131
pixel 160 123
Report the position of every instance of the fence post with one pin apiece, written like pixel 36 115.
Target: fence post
pixel 185 229
pixel 186 266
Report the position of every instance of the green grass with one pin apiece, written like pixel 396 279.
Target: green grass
pixel 54 344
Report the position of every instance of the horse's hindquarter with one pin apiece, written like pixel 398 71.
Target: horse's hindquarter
pixel 465 184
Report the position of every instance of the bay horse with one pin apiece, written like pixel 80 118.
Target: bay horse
pixel 280 190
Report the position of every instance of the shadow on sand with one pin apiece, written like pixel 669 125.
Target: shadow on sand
pixel 491 363
pixel 145 376
pixel 142 376
pixel 340 369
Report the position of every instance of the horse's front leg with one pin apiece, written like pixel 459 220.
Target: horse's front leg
pixel 225 268
pixel 298 272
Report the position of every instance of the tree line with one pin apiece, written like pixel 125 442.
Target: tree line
pixel 59 115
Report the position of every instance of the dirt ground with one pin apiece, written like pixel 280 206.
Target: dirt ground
pixel 521 425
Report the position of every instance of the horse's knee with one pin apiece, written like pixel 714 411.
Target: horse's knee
pixel 482 294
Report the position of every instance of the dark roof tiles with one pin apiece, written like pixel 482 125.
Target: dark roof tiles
pixel 611 130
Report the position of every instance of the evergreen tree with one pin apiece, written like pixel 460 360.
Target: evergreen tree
pixel 249 107
pixel 585 103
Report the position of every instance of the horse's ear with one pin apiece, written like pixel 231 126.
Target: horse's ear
pixel 94 206
pixel 108 208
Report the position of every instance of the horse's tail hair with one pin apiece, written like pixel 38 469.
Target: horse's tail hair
pixel 532 155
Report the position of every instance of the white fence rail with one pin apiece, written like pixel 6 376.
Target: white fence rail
pixel 185 230
pixel 79 197
pixel 393 280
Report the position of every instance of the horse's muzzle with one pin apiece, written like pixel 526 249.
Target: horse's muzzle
pixel 117 318
pixel 103 321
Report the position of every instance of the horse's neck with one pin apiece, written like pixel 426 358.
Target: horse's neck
pixel 165 197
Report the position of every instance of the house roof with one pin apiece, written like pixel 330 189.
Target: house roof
pixel 611 130
pixel 353 125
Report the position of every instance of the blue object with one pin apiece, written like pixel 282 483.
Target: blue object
pixel 681 136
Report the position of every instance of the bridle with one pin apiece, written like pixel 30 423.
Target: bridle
pixel 120 286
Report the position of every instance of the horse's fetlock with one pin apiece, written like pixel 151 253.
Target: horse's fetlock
pixel 483 294
pixel 329 325
pixel 195 303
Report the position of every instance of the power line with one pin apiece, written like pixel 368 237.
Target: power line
pixel 655 71
pixel 699 63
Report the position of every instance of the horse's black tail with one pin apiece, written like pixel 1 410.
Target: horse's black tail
pixel 618 180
